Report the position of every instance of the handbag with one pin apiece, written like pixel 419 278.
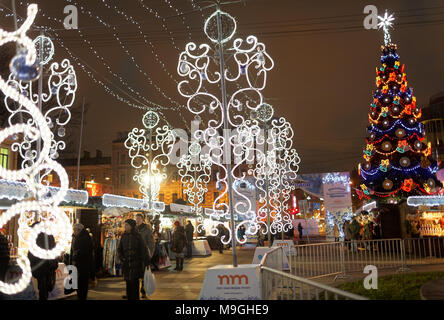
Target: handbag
pixel 149 281
pixel 65 290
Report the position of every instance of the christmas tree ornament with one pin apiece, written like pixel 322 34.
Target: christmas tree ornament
pixel 387 184
pixel 407 185
pixel 431 183
pixel 404 162
pixel 386 146
pixel 400 133
pixel 402 146
pixel 384 165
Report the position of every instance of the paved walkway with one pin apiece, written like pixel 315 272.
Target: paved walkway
pixel 173 285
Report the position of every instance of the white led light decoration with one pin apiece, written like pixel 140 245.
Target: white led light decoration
pixel 148 156
pixel 386 22
pixel 111 200
pixel 430 201
pixel 51 219
pixel 59 95
pixel 14 190
pixel 202 65
pixel 195 177
pixel 274 172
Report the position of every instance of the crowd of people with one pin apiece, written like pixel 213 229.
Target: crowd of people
pixel 359 229
pixel 138 250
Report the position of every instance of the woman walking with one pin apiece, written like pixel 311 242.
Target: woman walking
pixel 44 270
pixel 133 254
pixel 179 243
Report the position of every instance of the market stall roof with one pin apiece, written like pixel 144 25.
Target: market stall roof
pixel 366 207
pixel 429 201
pixel 112 200
pixel 14 190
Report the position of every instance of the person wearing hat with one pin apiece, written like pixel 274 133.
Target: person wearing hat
pixel 179 243
pixel 82 258
pixel 133 254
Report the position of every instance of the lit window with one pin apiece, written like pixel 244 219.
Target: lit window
pixel 4 158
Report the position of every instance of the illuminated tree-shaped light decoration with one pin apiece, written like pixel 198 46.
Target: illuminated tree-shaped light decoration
pixel 52 220
pixel 195 176
pixel 249 62
pixel 396 160
pixel 149 157
pixel 58 96
pixel 274 172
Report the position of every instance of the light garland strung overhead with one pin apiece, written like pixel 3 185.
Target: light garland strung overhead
pixel 148 156
pixel 197 65
pixel 52 220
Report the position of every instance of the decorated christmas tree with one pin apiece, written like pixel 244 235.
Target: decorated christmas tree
pixel 397 162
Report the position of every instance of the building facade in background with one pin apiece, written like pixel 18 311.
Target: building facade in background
pixel 114 174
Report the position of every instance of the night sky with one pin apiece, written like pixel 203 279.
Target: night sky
pixel 324 71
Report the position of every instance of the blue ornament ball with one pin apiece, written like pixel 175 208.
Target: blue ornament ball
pixel 22 71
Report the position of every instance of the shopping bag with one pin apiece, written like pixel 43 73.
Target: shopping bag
pixel 149 282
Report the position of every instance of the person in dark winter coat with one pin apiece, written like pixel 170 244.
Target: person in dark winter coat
pixel 300 229
pixel 44 270
pixel 221 232
pixel 4 257
pixel 145 232
pixel 189 231
pixel 354 227
pixel 147 236
pixel 179 243
pixel 82 258
pixel 133 254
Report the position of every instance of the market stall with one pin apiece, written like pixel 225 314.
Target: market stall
pixel 426 216
pixel 118 209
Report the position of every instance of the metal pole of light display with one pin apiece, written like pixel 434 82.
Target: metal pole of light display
pixel 150 178
pixel 225 110
pixel 40 91
pixel 266 185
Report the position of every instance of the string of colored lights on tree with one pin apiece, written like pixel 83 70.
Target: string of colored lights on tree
pixel 51 219
pixel 196 64
pixel 194 170
pixel 142 144
pixel 394 116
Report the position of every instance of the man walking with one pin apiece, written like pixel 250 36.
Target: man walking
pixel 82 258
pixel 147 235
pixel 354 228
pixel 189 231
pixel 300 229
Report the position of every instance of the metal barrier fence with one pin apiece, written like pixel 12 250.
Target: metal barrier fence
pixel 325 259
pixel 278 285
